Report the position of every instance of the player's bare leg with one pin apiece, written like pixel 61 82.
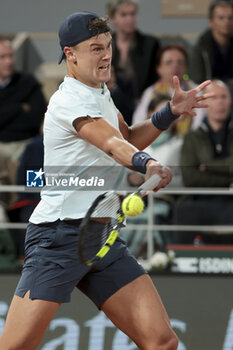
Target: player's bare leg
pixel 138 311
pixel 26 323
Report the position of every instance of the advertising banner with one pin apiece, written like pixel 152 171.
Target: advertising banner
pixel 200 309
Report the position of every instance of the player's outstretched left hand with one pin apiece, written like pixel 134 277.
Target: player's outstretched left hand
pixel 184 102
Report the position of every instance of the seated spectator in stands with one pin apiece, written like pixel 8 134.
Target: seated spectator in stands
pixel 171 60
pixel 207 161
pixel 212 56
pixel 7 248
pixel 135 178
pixel 155 105
pixel 22 107
pixel 123 96
pixel 20 211
pixel 207 153
pixel 133 52
pixel 166 148
pixel 4 196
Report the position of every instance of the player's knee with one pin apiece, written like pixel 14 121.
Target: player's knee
pixel 172 343
pixel 168 341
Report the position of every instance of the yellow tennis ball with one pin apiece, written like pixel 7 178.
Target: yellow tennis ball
pixel 132 205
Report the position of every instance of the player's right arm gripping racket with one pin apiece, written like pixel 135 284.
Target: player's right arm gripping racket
pixel 96 238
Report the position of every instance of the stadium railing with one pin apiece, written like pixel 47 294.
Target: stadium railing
pixel 150 226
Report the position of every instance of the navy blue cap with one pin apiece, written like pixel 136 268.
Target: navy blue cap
pixel 75 29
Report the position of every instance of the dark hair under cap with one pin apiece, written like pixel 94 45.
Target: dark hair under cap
pixel 75 29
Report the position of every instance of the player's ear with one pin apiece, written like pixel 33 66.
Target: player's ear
pixel 70 54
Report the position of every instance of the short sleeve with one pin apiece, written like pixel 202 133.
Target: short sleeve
pixel 69 108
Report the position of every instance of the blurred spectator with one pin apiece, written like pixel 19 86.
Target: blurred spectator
pixel 7 248
pixel 22 107
pixel 212 56
pixel 207 161
pixel 123 96
pixel 155 105
pixel 135 178
pixel 166 149
pixel 20 211
pixel 207 153
pixel 133 52
pixel 4 196
pixel 171 60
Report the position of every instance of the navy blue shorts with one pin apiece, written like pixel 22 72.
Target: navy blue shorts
pixel 52 269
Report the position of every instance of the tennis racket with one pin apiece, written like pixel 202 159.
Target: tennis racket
pixel 104 219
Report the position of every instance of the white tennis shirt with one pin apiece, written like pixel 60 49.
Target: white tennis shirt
pixel 69 156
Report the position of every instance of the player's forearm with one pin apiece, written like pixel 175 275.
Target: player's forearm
pixel 120 150
pixel 129 156
pixel 141 135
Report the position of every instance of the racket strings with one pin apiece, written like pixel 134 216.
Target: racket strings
pixel 100 222
pixel 108 207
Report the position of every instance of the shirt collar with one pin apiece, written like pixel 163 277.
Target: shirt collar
pixel 5 83
pixel 74 82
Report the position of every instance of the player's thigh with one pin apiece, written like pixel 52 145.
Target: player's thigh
pixel 27 320
pixel 138 311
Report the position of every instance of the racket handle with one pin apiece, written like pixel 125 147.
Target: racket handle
pixel 150 184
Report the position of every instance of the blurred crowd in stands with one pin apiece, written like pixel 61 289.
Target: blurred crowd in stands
pixel 199 149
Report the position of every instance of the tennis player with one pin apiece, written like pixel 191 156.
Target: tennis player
pixel 83 128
